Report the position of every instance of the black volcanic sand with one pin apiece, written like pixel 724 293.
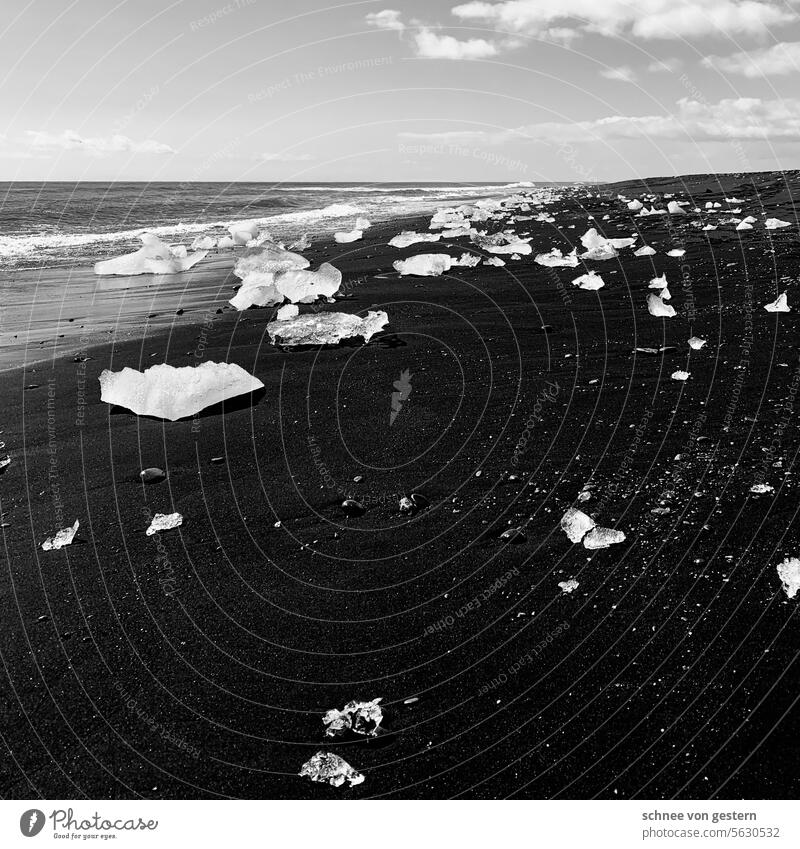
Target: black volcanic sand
pixel 197 663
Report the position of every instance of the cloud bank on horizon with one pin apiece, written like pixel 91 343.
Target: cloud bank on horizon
pixel 580 89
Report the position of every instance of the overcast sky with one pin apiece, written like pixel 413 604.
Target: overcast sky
pixel 477 91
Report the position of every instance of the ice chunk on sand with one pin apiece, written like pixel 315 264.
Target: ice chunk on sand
pixel 300 244
pixel 269 259
pixel 555 259
pixel 676 252
pixel 680 375
pixel 710 227
pixel 761 488
pixel 674 208
pixel 154 257
pixel 602 538
pixel 568 586
pixel 424 265
pixel 466 261
pixel 591 281
pixel 657 307
pixel 494 260
pixel 359 717
pixel 576 524
pixel 645 250
pixel 326 328
pixel 287 312
pixel 164 522
pixel 173 393
pixel 597 246
pixel 635 205
pixel 696 343
pixel 331 769
pixel 658 282
pixel 257 290
pixel 515 247
pixel 226 242
pixel 204 243
pixel 781 304
pixel 744 225
pixel 61 538
pixel 789 573
pixel 351 236
pixel 409 237
pixel 243 231
pixel 776 223
pixel 301 286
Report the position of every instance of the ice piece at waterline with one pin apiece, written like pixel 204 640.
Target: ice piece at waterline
pixel 327 328
pixel 789 573
pixel 330 769
pixel 781 304
pixel 267 259
pixel 409 237
pixel 424 265
pixel 164 522
pixel 62 538
pixel 657 307
pixel 173 393
pixel 359 717
pixel 591 281
pixel 352 236
pixel 154 257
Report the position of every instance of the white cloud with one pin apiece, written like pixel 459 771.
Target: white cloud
pixel 431 45
pixel 665 66
pixel 386 19
pixel 783 58
pixel 740 119
pixel 622 74
pixel 70 140
pixel 642 19
pixel 286 157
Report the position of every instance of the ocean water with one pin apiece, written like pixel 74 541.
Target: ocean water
pixel 52 225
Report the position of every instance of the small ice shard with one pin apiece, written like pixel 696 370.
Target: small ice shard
pixel 204 243
pixel 362 224
pixel 645 250
pixel 424 265
pixel 658 282
pixel 466 261
pixel 781 304
pixel 154 257
pixel 789 573
pixel 300 244
pixel 302 286
pixel 674 208
pixel 358 717
pixel 494 260
pixel 287 312
pixel 602 538
pixel 761 488
pixel 409 237
pixel 568 586
pixel 5 462
pixel 744 225
pixel 555 259
pixel 331 769
pixel 619 244
pixel 635 205
pixel 516 247
pixel 243 232
pixel 665 295
pixel 62 538
pixel 680 375
pixel 576 524
pixel 164 522
pixel 591 281
pixel 776 223
pixel 696 343
pixel 226 242
pixel 710 227
pixel 173 393
pixel 657 307
pixel 351 236
pixel 676 252
pixel 328 328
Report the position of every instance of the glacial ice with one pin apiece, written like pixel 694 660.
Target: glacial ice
pixel 204 243
pixel 519 246
pixel 789 573
pixel 226 242
pixel 330 769
pixel 301 286
pixel 696 343
pixel 362 224
pixel 300 244
pixel 635 205
pixel 680 375
pixel 658 283
pixel 602 538
pixel 576 524
pixel 657 307
pixel 164 522
pixel 267 258
pixel 358 717
pixel 466 261
pixel 674 208
pixel 776 223
pixel 154 257
pixel 494 260
pixel 61 538
pixel 243 231
pixel 591 281
pixel 424 265
pixel 645 250
pixel 555 259
pixel 327 328
pixel 780 304
pixel 173 393
pixel 257 290
pixel 287 312
pixel 676 252
pixel 568 586
pixel 744 225
pixel 351 236
pixel 409 237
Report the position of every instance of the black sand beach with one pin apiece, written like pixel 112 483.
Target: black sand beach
pixel 197 663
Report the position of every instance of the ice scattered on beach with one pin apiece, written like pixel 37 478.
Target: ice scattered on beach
pixel 154 257
pixel 351 236
pixel 680 375
pixel 328 768
pixel 576 524
pixel 424 265
pixel 761 488
pixel 494 260
pixel 327 328
pixel 568 586
pixel 300 244
pixel 657 307
pixel 555 259
pixel 409 237
pixel 173 393
pixel 658 282
pixel 676 252
pixel 696 343
pixel 268 259
pixel 602 538
pixel 204 243
pixel 358 717
pixel 301 286
pixel 789 573
pixel 780 304
pixel 61 538
pixel 243 232
pixel 776 224
pixel 645 250
pixel 674 208
pixel 164 522
pixel 466 261
pixel 591 281
pixel 597 246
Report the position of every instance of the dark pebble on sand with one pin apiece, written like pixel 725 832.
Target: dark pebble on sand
pixel 352 508
pixel 178 312
pixel 514 535
pixel 152 475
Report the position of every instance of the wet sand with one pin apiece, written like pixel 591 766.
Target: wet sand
pixel 198 663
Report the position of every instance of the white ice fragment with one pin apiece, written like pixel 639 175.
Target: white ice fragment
pixel 226 242
pixel 409 237
pixel 761 488
pixel 789 573
pixel 680 375
pixel 597 246
pixel 329 768
pixel 328 328
pixel 243 231
pixel 676 252
pixel 674 208
pixel 515 247
pixel 576 524
pixel 173 393
pixel 568 586
pixel 351 236
pixel 257 290
pixel 591 281
pixel 744 225
pixel 658 282
pixel 359 717
pixel 710 227
pixel 555 259
pixel 154 257
pixel 657 307
pixel 61 538
pixel 776 223
pixel 267 259
pixel 635 205
pixel 287 312
pixel 494 260
pixel 424 265
pixel 362 224
pixel 645 250
pixel 602 538
pixel 302 286
pixel 204 243
pixel 466 261
pixel 164 522
pixel 780 304
pixel 696 343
